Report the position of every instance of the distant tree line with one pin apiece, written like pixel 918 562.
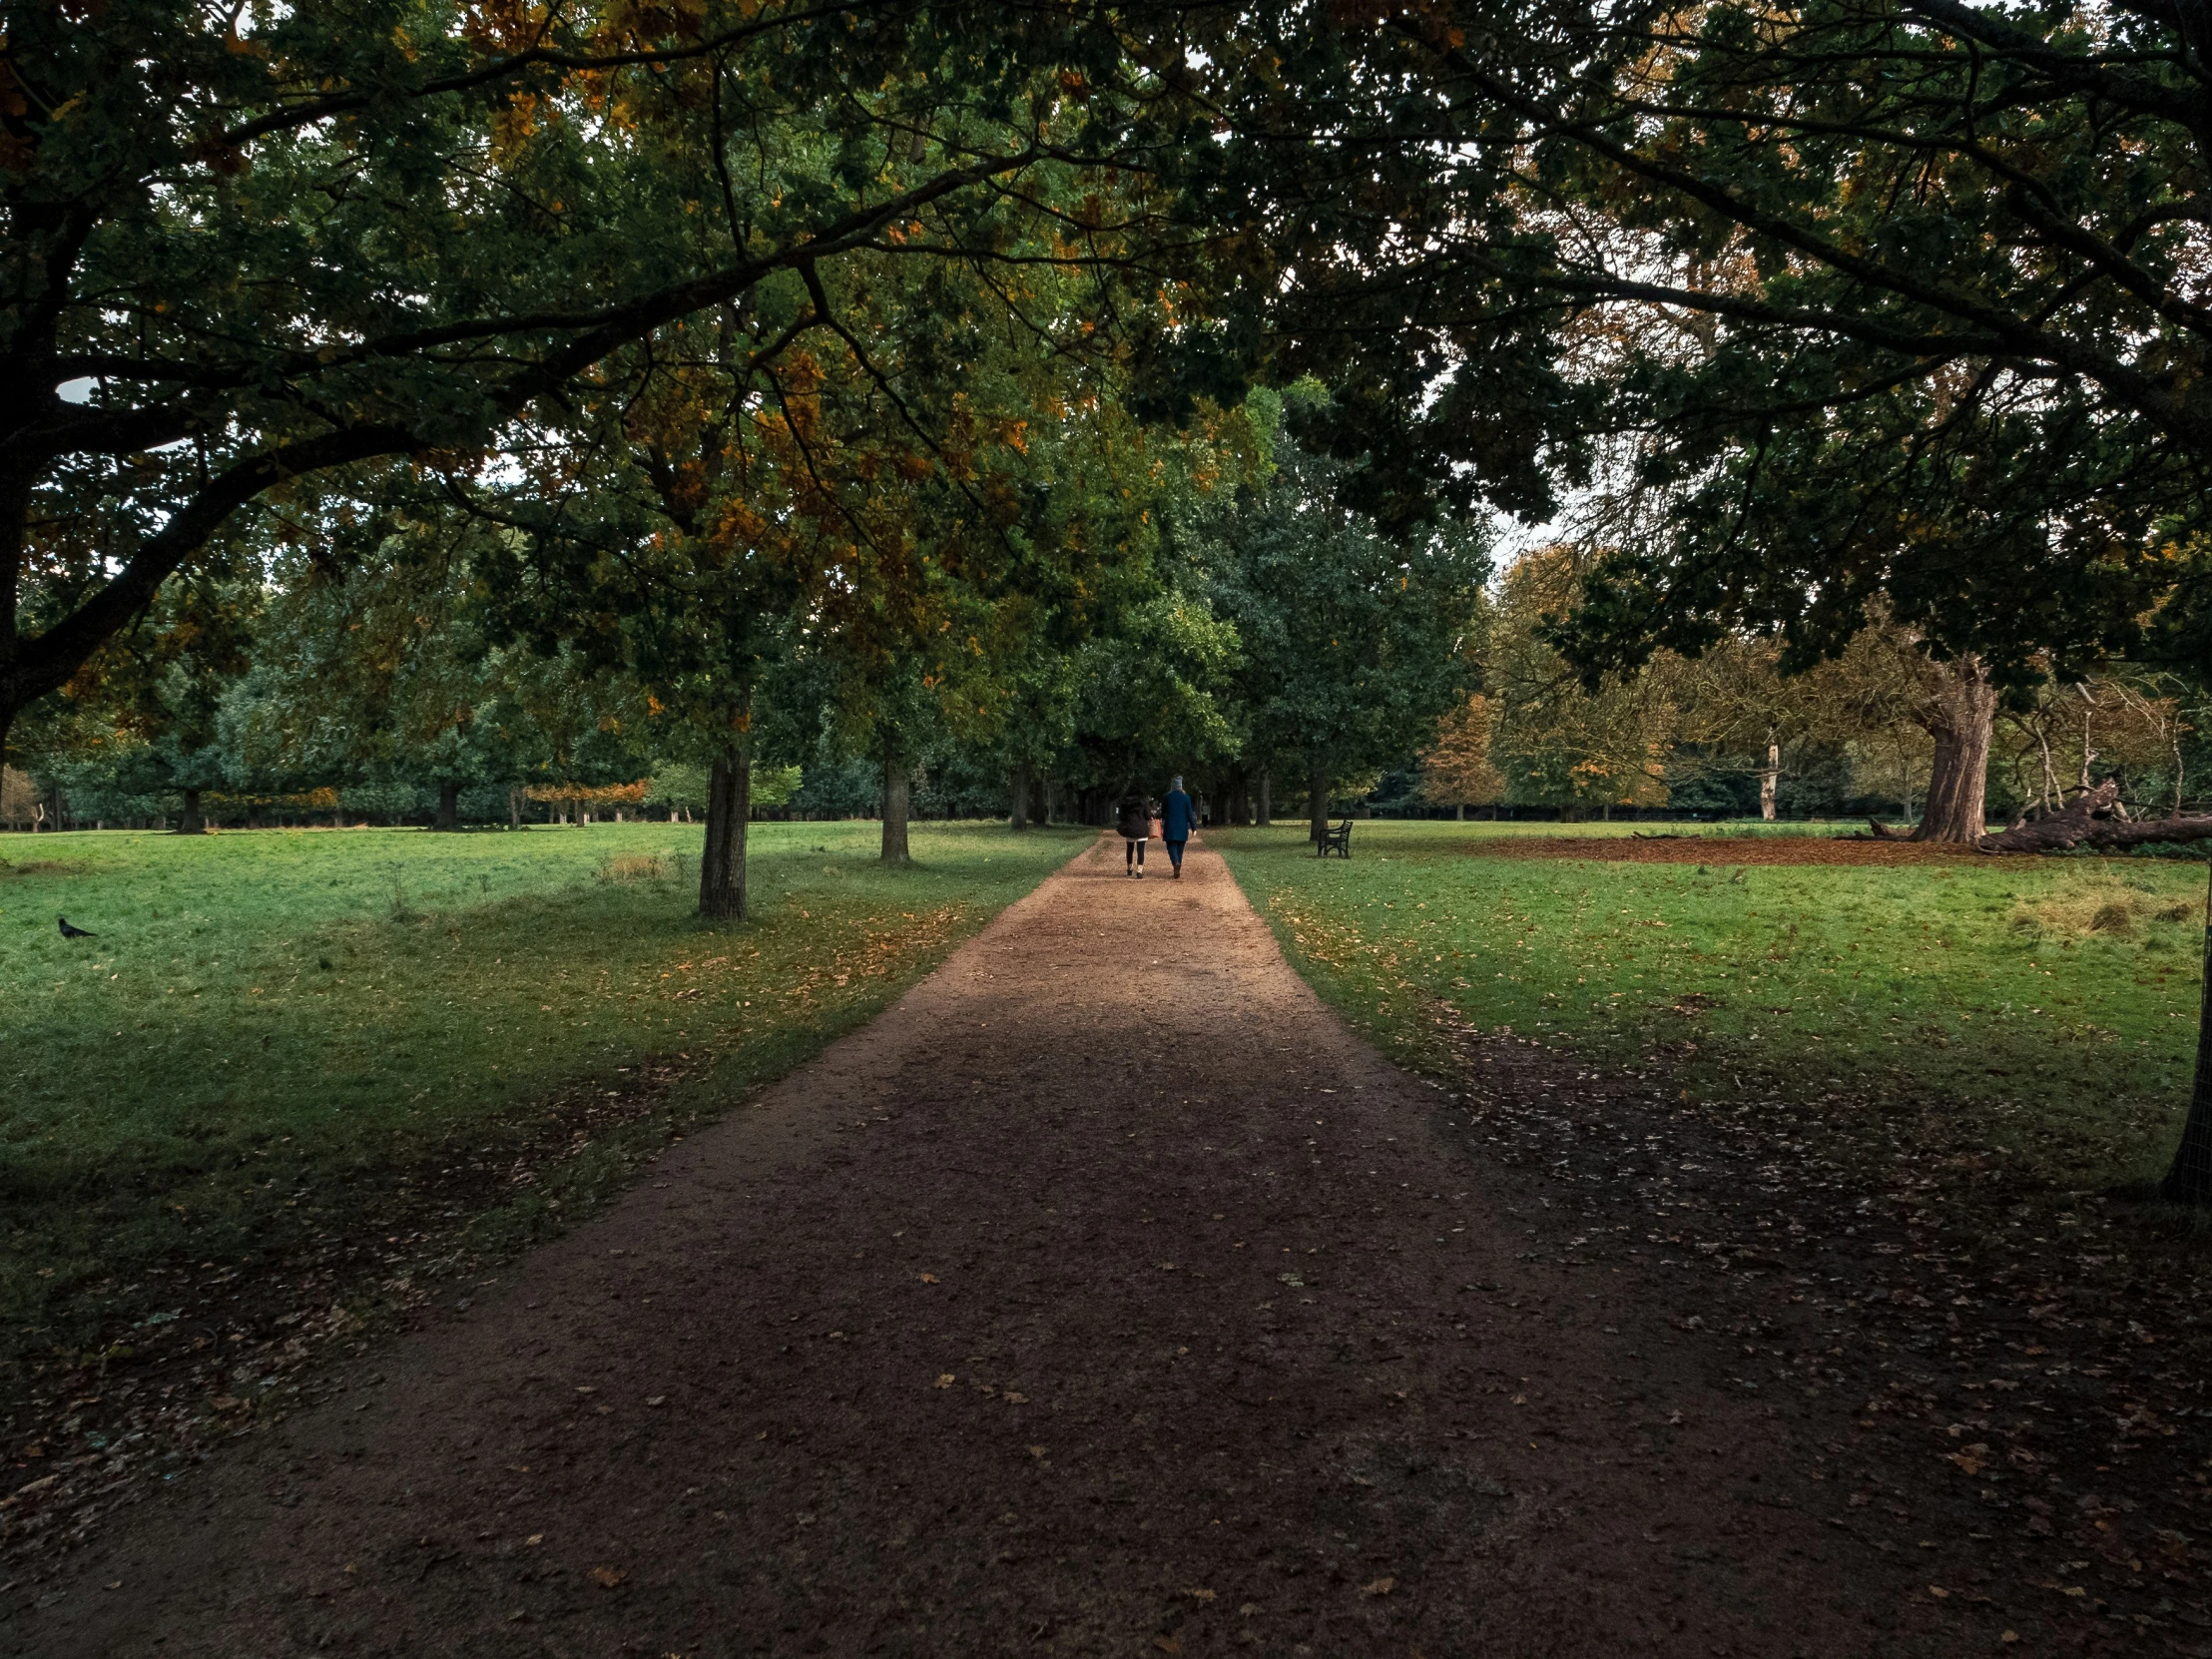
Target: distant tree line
pixel 1729 732
pixel 1264 641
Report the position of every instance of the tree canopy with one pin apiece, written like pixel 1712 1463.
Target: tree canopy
pixel 258 253
pixel 1894 299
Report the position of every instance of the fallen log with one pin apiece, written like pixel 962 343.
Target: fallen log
pixel 2094 820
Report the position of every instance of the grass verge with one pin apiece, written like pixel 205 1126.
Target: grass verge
pixel 2047 1008
pixel 326 1046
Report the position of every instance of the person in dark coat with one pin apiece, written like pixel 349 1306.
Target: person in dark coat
pixel 1177 817
pixel 1135 823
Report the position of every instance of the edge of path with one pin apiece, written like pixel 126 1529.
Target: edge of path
pixel 315 1338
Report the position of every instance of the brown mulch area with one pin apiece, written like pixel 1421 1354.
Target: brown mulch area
pixel 1107 1296
pixel 1715 850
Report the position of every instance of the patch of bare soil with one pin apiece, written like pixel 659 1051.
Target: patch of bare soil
pixel 1107 1296
pixel 1715 850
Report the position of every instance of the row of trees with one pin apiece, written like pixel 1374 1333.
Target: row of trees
pixel 898 345
pixel 1266 633
pixel 1730 731
pixel 702 318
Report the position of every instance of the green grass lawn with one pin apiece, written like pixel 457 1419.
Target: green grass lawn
pixel 274 1030
pixel 2053 1001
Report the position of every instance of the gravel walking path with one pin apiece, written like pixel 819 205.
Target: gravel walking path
pixel 1104 1296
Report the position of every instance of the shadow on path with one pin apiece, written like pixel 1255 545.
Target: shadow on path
pixel 1105 1296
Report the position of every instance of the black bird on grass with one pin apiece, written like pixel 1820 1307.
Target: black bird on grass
pixel 69 933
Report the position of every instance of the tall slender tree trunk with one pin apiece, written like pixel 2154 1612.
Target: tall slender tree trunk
pixel 1266 813
pixel 450 804
pixel 1316 811
pixel 514 808
pixel 896 799
pixel 191 824
pixel 722 861
pixel 1767 781
pixel 1962 707
pixel 2191 1178
pixel 1018 819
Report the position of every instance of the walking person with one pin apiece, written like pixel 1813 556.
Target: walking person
pixel 1135 825
pixel 1177 816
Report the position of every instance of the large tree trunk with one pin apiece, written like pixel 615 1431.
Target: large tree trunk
pixel 2189 1181
pixel 1767 781
pixel 722 862
pixel 1018 817
pixel 1316 811
pixel 450 804
pixel 1266 815
pixel 1962 706
pixel 514 808
pixel 2093 820
pixel 191 824
pixel 896 803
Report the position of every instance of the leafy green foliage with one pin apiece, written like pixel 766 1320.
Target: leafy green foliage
pixel 1871 298
pixel 257 254
pixel 1351 643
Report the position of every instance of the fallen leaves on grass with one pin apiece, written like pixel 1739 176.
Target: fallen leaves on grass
pixel 1910 1241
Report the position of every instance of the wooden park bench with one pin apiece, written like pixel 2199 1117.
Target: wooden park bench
pixel 1338 840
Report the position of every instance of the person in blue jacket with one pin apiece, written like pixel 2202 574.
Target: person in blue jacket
pixel 1177 816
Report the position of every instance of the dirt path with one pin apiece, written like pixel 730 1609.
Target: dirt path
pixel 1104 1296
